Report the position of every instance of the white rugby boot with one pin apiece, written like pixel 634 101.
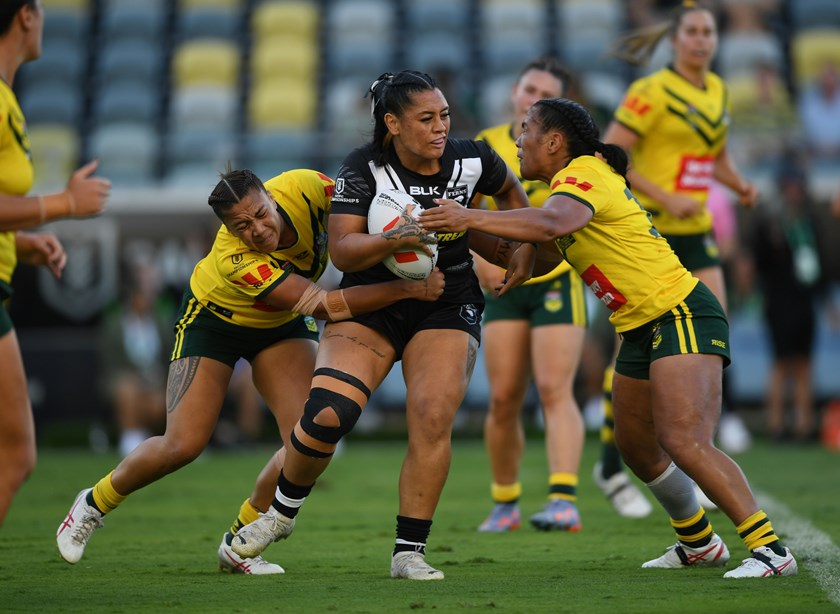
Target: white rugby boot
pixel 77 527
pixel 713 554
pixel 255 537
pixel 763 563
pixel 413 566
pixel 230 562
pixel 624 495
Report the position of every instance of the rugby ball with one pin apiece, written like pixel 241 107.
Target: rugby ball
pixel 384 213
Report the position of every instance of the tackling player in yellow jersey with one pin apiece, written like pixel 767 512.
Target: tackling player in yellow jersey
pixel 675 335
pixel 253 296
pixel 21 28
pixel 674 123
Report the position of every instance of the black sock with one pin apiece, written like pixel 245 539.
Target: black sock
pixel 412 534
pixel 292 492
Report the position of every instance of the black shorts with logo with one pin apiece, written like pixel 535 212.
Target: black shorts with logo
pixel 402 320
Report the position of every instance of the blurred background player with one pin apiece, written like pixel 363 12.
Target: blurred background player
pixel 674 124
pixel 21 28
pixel 537 328
pixel 135 341
pixel 788 252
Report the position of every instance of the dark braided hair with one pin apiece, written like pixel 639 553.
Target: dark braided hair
pixel 392 93
pixel 576 124
pixel 233 186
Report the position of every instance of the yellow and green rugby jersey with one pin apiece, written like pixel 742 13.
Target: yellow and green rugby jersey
pixel 681 129
pixel 619 254
pixel 16 173
pixel 232 280
pixel 500 138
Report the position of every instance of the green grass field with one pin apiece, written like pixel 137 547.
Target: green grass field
pixel 158 552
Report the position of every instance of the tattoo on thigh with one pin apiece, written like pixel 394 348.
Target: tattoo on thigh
pixel 354 341
pixel 472 354
pixel 181 375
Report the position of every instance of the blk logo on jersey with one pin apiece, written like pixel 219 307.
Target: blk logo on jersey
pixel 603 288
pixel 420 190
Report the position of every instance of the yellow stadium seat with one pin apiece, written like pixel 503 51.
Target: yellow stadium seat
pixel 282 103
pixel 277 58
pixel 298 19
pixel 811 48
pixel 55 149
pixel 81 5
pixel 206 61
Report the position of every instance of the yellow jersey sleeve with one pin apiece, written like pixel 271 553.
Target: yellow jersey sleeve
pixel 16 172
pixel 619 254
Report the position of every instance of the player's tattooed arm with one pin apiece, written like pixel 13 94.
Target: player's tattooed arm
pixel 408 227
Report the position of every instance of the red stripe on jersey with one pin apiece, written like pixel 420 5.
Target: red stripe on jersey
pixel 603 288
pixel 583 185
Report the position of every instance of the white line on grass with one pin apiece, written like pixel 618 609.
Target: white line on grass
pixel 811 547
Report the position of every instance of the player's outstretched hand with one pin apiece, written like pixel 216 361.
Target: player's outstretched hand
pixel 87 194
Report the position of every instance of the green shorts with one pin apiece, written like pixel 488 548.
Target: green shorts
pixel 5 319
pixel 696 326
pixel 698 251
pixel 555 301
pixel 200 332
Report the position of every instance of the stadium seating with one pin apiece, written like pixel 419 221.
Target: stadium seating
pixel 811 48
pixel 208 107
pixel 807 14
pixel 206 61
pixel 55 152
pixel 127 153
pixel 52 103
pixel 741 52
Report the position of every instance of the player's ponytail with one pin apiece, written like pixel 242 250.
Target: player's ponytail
pixel 392 93
pixel 638 46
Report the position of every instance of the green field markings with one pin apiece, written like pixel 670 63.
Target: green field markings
pixel 812 548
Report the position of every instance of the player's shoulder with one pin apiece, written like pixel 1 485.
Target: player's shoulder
pixel 652 83
pixel 494 134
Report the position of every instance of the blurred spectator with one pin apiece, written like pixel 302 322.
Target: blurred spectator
pixel 764 120
pixel 819 112
pixel 788 262
pixel 135 343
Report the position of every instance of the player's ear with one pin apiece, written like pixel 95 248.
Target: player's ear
pixel 392 123
pixel 554 141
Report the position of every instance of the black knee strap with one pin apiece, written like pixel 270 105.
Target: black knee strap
pixel 344 377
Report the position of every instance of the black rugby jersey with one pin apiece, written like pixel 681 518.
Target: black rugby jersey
pixel 467 167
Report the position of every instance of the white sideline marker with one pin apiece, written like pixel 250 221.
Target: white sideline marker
pixel 812 548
